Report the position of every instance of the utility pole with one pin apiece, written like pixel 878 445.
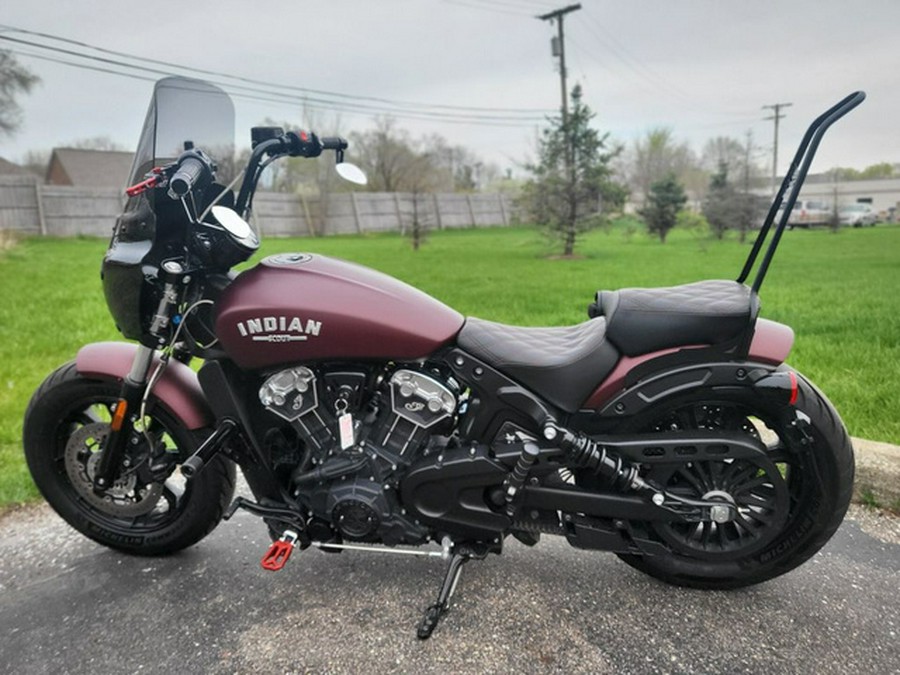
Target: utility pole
pixel 559 49
pixel 748 213
pixel 777 115
pixel 748 151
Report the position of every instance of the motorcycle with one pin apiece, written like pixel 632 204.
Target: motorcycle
pixel 364 414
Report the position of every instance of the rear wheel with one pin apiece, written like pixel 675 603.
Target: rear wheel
pixel 150 509
pixel 789 502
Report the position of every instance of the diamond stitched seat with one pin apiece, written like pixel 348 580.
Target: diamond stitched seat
pixel 642 320
pixel 564 365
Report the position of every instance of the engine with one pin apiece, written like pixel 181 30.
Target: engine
pixel 350 436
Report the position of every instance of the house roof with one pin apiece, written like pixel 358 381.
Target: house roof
pixel 7 167
pixel 90 168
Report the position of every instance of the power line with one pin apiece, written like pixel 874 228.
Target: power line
pixel 310 103
pixel 508 6
pixel 472 4
pixel 636 66
pixel 282 99
pixel 528 112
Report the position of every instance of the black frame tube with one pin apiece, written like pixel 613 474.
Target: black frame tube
pixel 793 181
pixel 253 172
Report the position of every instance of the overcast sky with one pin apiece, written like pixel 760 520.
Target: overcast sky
pixel 702 67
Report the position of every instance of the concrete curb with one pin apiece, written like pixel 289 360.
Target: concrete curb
pixel 877 474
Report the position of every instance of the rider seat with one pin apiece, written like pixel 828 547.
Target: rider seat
pixel 644 320
pixel 564 365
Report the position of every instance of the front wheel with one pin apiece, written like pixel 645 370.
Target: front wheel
pixel 789 502
pixel 150 509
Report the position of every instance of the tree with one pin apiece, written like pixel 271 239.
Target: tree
pixel 571 184
pixel 457 169
pixel 423 181
pixel 729 203
pixel 723 206
pixel 387 155
pixel 875 171
pixel 36 161
pixel 871 172
pixel 665 199
pixel 15 79
pixel 103 143
pixel 655 156
pixel 723 150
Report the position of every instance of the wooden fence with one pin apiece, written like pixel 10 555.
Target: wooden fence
pixel 31 208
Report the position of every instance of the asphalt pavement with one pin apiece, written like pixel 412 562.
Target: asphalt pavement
pixel 72 606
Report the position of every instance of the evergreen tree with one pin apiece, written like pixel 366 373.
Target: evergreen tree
pixel 725 208
pixel 666 199
pixel 571 185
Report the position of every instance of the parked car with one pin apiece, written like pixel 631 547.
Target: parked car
pixel 809 212
pixel 857 215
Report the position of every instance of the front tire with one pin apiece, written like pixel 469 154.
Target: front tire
pixel 65 423
pixel 819 481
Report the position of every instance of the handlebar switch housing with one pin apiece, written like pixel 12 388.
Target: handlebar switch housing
pixel 261 134
pixel 303 144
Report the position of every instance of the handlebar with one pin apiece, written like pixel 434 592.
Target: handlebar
pixel 273 145
pixel 192 169
pixel 333 143
pixel 307 144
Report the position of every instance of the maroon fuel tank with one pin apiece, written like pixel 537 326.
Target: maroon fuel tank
pixel 296 307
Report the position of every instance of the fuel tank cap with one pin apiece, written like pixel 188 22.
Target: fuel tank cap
pixel 287 259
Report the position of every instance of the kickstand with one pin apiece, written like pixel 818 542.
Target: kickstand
pixel 461 555
pixel 434 613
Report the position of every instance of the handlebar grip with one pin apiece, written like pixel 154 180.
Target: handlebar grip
pixel 333 143
pixel 190 171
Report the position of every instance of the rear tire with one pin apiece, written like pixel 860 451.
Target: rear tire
pixel 65 422
pixel 820 483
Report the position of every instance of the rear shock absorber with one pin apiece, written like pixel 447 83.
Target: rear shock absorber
pixel 586 453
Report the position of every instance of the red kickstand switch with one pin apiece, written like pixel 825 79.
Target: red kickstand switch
pixel 279 552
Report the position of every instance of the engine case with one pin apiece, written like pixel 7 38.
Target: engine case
pixel 419 402
pixel 350 478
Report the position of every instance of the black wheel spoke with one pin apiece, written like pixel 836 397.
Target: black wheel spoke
pixel 753 499
pixel 759 486
pixel 703 476
pixel 729 476
pixel 692 480
pixel 750 485
pixel 757 516
pixel 720 535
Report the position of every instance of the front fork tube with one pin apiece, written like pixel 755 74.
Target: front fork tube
pixel 125 413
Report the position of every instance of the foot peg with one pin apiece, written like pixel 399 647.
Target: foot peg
pixel 279 552
pixel 209 449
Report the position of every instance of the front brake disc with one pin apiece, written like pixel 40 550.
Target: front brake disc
pixel 125 498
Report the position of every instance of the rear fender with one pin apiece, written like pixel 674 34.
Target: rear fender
pixel 626 392
pixel 177 388
pixel 771 342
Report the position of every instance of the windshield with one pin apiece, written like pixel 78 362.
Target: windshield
pixel 184 110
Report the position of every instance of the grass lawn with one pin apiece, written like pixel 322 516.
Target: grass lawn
pixel 838 291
